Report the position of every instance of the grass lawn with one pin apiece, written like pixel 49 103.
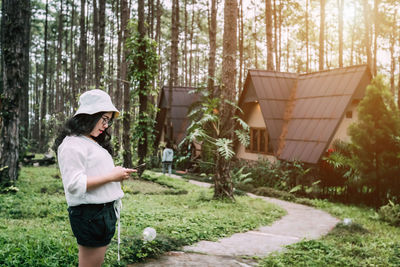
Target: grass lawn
pixel 366 242
pixel 35 231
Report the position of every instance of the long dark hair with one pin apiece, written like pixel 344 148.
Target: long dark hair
pixel 83 124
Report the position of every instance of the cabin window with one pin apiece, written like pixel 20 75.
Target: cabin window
pixel 258 141
pixel 349 114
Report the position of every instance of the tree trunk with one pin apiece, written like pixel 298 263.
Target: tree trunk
pixel 174 64
pixel 43 111
pixel 398 86
pixel 307 41
pixel 118 90
pixel 142 144
pixel 101 46
pixel 275 35
pixel 392 56
pixel 322 35
pixel 212 33
pixel 191 45
pixel 185 51
pixel 126 142
pixel 36 105
pixel 367 44
pixel 341 8
pixel 24 98
pixel 82 49
pixel 376 32
pixel 59 87
pixel 15 21
pixel 270 46
pixel 96 42
pixel 241 40
pixel 73 58
pixel 158 38
pixel 222 180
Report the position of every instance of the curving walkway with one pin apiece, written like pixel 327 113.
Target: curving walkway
pixel 301 222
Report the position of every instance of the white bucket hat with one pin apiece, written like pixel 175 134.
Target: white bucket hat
pixel 95 101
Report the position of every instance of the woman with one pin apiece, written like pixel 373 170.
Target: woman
pixel 91 181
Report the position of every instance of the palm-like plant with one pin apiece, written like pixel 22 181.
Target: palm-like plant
pixel 207 128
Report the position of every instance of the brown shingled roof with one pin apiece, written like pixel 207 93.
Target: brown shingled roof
pixel 314 112
pixel 181 101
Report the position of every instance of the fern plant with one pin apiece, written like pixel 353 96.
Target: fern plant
pixel 206 126
pixel 218 136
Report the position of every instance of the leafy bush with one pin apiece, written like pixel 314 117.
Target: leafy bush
pixel 271 192
pixel 281 175
pixel 390 213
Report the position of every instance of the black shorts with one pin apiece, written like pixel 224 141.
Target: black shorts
pixel 93 225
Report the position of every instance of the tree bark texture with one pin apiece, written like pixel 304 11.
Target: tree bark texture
pixel 376 33
pixel 59 87
pixel 126 141
pixel 174 64
pixel 82 49
pixel 268 24
pixel 212 33
pixel 367 42
pixel 322 35
pixel 43 108
pixel 15 21
pixel 142 144
pixel 222 181
pixel 341 9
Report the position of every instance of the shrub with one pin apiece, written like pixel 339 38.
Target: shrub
pixel 390 213
pixel 271 192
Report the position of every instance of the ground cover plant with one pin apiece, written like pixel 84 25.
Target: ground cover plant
pixel 34 227
pixel 366 241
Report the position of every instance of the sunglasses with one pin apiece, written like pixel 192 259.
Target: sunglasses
pixel 107 121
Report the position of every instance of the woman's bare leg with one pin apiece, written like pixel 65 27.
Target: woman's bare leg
pixel 91 257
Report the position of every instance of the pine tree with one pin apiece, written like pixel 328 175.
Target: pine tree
pixel 376 149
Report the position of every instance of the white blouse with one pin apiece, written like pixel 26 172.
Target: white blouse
pixel 78 158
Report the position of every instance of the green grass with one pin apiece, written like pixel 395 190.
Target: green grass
pixel 366 242
pixel 35 231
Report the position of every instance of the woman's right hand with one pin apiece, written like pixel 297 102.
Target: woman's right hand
pixel 119 173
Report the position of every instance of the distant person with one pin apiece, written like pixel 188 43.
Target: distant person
pixel 167 158
pixel 91 181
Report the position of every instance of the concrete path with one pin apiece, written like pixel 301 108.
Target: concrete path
pixel 301 222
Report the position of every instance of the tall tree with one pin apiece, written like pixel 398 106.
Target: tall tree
pixel 142 142
pixel 212 33
pixel 59 82
pixel 378 164
pixel 222 180
pixel 322 35
pixel 367 42
pixel 340 4
pixel 43 110
pixel 82 49
pixel 15 21
pixel 174 63
pixel 118 90
pixel 376 33
pixel 126 140
pixel 24 99
pixel 99 26
pixel 241 41
pixel 268 24
pixel 307 38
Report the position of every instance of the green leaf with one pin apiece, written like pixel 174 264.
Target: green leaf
pixel 243 136
pixel 242 123
pixel 224 147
